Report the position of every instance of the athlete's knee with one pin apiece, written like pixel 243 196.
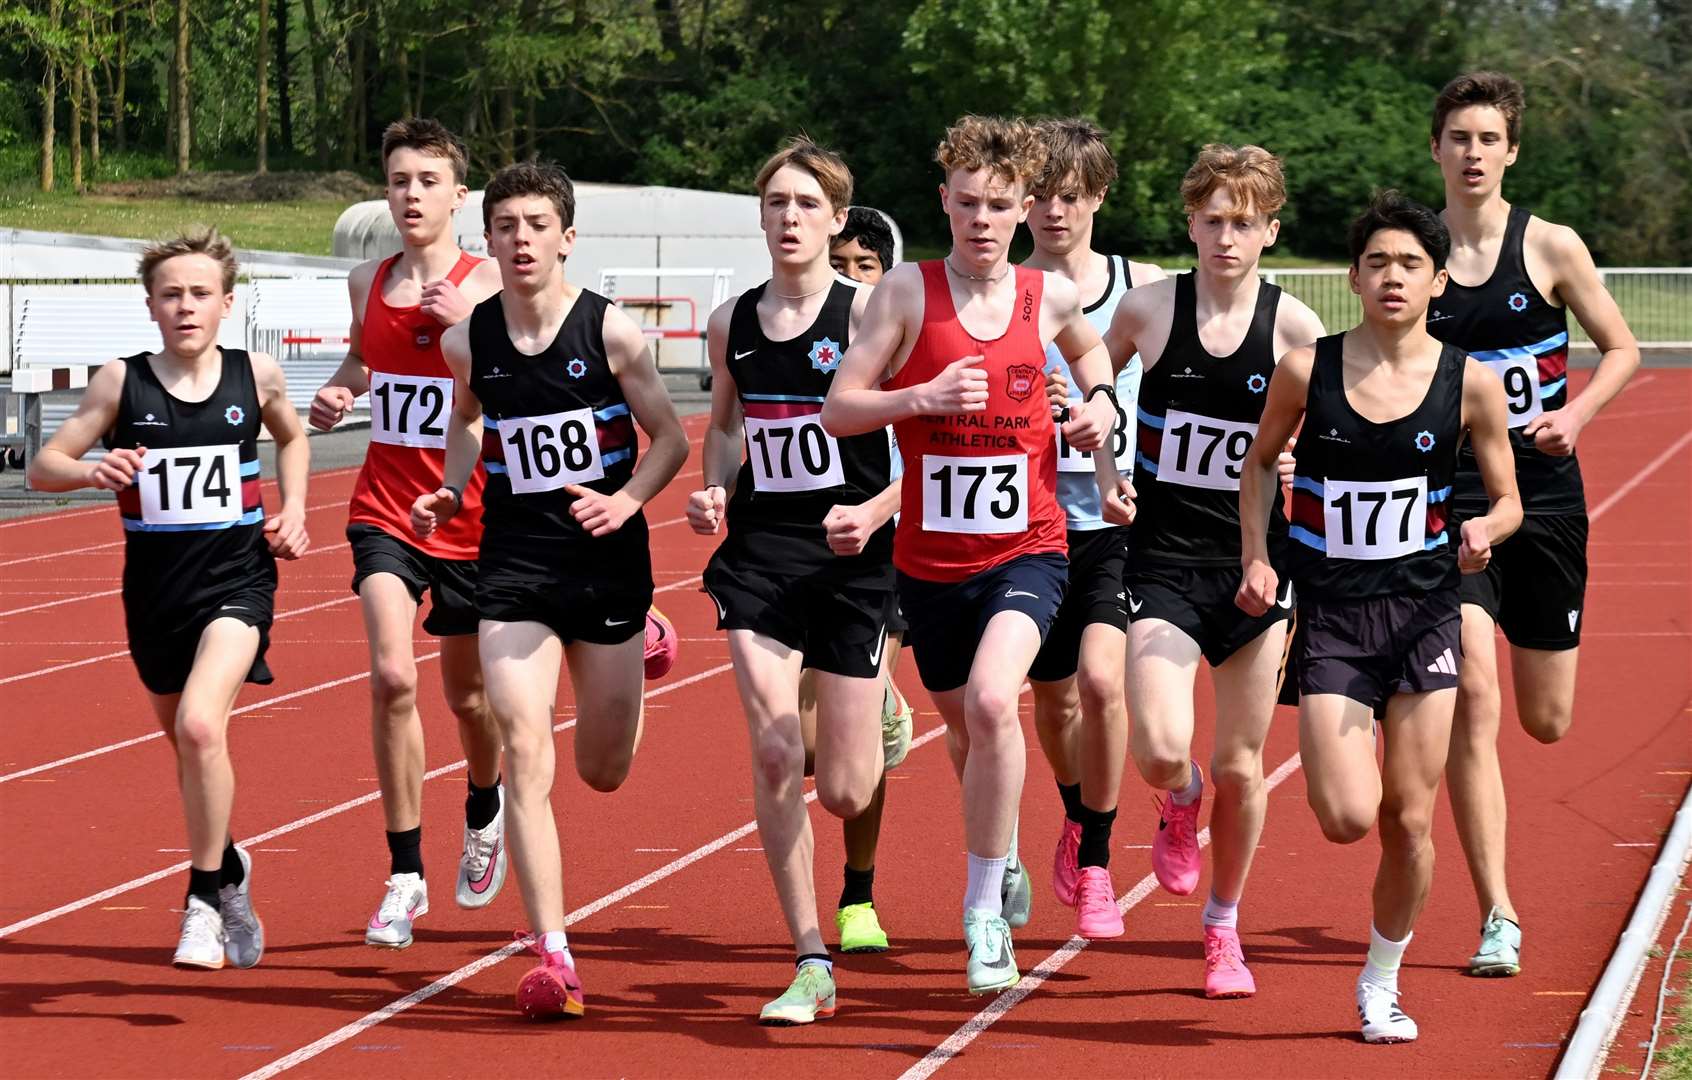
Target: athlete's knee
pixel 468 703
pixel 1160 758
pixel 1547 721
pixel 1101 695
pixel 200 733
pixel 844 796
pixel 393 681
pixel 990 707
pixel 605 772
pixel 1343 821
pixel 1407 827
pixel 778 757
pixel 1236 775
pixel 529 755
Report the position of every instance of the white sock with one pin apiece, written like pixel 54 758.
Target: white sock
pixel 820 961
pixel 1222 912
pixel 1381 967
pixel 1189 794
pixel 555 941
pixel 986 878
pixel 1011 861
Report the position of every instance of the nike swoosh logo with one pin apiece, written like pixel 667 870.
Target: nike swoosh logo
pixel 619 622
pixel 1004 960
pixel 744 355
pixel 1136 605
pixel 875 655
pixel 1286 597
pixel 1018 592
pixel 481 884
pixel 722 612
pixel 231 607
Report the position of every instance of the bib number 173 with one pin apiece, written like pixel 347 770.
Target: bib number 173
pixel 975 494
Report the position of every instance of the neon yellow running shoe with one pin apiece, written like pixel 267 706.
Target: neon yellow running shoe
pixel 860 929
pixel 809 998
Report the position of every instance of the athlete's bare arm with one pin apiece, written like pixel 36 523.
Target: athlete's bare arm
pixel 1084 351
pixel 285 531
pixel 849 528
pixel 1141 324
pixel 450 304
pixel 58 467
pixel 857 404
pixel 1295 327
pixel 1575 282
pixel 631 363
pixel 463 439
pixel 352 379
pixel 725 432
pixel 1142 274
pixel 1486 417
pixel 1283 411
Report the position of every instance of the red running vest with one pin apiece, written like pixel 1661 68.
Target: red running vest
pixel 410 404
pixel 979 489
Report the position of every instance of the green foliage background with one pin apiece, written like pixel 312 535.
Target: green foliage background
pixel 697 92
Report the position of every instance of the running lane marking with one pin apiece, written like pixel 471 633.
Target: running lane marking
pixel 1051 965
pixel 293 826
pixel 1639 477
pixel 476 967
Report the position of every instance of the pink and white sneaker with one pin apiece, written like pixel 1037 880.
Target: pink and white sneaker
pixel 1065 870
pixel 551 990
pixel 661 644
pixel 1225 971
pixel 1096 915
pixel 406 901
pixel 1175 849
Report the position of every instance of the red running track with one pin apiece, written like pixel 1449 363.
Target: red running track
pixel 677 934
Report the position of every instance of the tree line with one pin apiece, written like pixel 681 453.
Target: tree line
pixel 695 93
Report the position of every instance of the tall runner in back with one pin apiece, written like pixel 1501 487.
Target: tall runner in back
pixel 803 583
pixel 181 429
pixel 401 306
pixel 1209 341
pixel 951 353
pixel 550 381
pixel 1373 553
pixel 1528 275
pixel 1080 713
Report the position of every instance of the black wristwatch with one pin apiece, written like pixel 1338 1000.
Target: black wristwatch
pixel 1109 392
pixel 457 497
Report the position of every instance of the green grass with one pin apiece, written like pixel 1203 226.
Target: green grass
pixel 306 228
pixel 1674 1054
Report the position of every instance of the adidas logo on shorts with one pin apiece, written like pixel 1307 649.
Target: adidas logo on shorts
pixel 1444 664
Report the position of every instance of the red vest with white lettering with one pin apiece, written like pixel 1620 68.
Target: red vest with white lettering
pixel 979 489
pixel 410 404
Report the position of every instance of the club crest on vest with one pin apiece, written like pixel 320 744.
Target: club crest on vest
pixel 1020 380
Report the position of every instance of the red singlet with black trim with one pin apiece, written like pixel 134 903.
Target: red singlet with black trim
pixel 980 489
pixel 410 404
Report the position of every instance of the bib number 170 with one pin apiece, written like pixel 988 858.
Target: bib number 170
pixel 975 494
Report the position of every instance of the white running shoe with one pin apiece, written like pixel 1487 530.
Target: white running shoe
pixel 243 943
pixel 992 963
pixel 481 869
pixel 202 937
pixel 895 726
pixel 406 901
pixel 1016 895
pixel 1383 1021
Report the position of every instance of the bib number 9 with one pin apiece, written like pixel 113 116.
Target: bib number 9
pixel 409 410
pixel 1521 388
pixel 975 494
pixel 792 454
pixel 1072 460
pixel 543 453
pixel 1366 519
pixel 191 485
pixel 1202 451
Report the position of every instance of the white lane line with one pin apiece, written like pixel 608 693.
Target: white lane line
pixel 1638 478
pixel 245 708
pixel 293 826
pixel 1051 965
pixel 417 997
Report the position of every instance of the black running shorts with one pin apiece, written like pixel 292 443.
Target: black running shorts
pixel 1097 561
pixel 1369 650
pixel 451 582
pixel 1199 602
pixel 947 619
pixel 1534 587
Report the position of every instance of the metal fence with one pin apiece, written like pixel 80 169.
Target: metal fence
pixel 1655 301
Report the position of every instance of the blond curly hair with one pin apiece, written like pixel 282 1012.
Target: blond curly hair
pixel 1010 147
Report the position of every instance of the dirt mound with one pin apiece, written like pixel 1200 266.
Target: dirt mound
pixel 340 186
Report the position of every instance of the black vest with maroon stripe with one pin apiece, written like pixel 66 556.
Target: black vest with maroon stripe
pixel 1506 325
pixel 553 419
pixel 193 521
pixel 1370 501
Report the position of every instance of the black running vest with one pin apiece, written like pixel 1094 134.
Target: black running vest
pixel 1370 501
pixel 795 471
pixel 1506 325
pixel 1198 414
pixel 549 420
pixel 193 520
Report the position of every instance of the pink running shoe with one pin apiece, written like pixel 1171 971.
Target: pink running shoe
pixel 1225 972
pixel 1175 849
pixel 550 991
pixel 1065 871
pixel 1096 914
pixel 661 645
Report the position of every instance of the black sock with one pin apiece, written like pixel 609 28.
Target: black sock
pixel 203 884
pixel 1072 808
pixel 233 873
pixel 859 888
pixel 405 852
pixel 824 957
pixel 481 804
pixel 1095 837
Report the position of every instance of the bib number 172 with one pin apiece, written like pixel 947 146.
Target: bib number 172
pixel 975 494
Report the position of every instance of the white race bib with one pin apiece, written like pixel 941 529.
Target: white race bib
pixel 1372 519
pixel 409 410
pixel 1521 387
pixel 543 453
pixel 1202 451
pixel 1072 460
pixel 793 453
pixel 975 494
pixel 190 485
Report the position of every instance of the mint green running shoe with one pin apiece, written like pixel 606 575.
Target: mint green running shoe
pixel 1500 952
pixel 810 997
pixel 991 966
